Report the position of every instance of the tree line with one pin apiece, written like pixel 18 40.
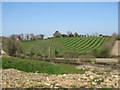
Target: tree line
pixel 57 34
pixel 26 37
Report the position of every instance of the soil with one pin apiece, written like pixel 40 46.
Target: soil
pixel 103 78
pixel 116 50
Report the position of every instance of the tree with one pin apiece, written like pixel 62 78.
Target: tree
pixel 20 37
pixel 100 35
pixel 42 36
pixel 70 34
pixel 57 34
pixel 11 46
pixel 64 35
pixel 76 34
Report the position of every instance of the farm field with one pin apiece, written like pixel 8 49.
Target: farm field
pixel 83 44
pixel 41 74
pixel 59 45
pixel 80 45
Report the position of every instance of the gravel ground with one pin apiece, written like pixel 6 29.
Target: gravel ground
pixel 12 78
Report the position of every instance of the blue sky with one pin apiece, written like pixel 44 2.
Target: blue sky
pixel 47 17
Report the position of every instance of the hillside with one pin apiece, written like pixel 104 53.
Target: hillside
pixel 115 50
pixel 84 44
pixel 81 45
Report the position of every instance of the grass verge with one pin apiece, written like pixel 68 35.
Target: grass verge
pixel 39 66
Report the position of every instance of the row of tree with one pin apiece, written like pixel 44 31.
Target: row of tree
pixel 57 34
pixel 26 37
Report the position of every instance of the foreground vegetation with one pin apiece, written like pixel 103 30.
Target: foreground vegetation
pixel 56 75
pixel 38 66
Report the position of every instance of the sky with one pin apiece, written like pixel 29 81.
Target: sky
pixel 48 17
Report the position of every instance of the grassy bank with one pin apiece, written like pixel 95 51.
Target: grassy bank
pixel 62 45
pixel 39 66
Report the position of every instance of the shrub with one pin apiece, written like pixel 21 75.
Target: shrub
pixel 71 55
pixel 11 46
pixel 86 58
pixel 105 49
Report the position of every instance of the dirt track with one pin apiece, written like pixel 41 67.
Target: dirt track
pixel 116 50
pixel 107 59
pixel 99 59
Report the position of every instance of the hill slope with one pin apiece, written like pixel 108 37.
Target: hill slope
pixel 81 45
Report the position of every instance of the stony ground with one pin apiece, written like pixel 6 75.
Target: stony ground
pixel 99 78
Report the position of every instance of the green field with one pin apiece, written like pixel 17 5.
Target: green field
pixel 80 45
pixel 40 66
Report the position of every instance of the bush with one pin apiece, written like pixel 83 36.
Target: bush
pixel 105 49
pixel 86 58
pixel 71 55
pixel 11 46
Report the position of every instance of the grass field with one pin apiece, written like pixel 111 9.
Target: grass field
pixel 39 66
pixel 81 45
